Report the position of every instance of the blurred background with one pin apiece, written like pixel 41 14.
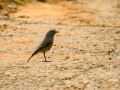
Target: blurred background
pixel 85 11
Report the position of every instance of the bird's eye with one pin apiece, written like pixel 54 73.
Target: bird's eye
pixel 53 31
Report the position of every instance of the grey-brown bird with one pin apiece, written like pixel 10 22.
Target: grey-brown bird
pixel 46 44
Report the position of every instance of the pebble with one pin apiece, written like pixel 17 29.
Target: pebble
pixel 118 57
pixel 22 16
pixel 7 73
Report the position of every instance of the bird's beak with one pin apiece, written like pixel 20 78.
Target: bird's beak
pixel 57 31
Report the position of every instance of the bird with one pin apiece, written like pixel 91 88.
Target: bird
pixel 46 44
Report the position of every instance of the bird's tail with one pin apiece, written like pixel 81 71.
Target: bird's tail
pixel 32 56
pixel 29 58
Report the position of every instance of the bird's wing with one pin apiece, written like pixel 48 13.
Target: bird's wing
pixel 44 44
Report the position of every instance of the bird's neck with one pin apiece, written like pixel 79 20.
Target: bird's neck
pixel 49 37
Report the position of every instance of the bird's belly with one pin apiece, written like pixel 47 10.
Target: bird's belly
pixel 46 48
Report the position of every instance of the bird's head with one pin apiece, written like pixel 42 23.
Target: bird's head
pixel 51 33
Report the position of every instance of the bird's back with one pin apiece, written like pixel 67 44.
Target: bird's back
pixel 45 45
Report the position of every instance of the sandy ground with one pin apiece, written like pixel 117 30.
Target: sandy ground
pixel 85 54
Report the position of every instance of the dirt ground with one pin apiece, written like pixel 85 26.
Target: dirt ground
pixel 85 54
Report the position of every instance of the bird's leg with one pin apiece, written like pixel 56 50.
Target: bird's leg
pixel 44 57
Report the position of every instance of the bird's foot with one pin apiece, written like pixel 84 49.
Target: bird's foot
pixel 46 61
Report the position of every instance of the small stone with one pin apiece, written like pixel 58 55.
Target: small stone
pixel 7 73
pixel 5 14
pixel 118 57
pixel 67 57
pixel 12 78
pixel 21 16
pixel 1 6
pixel 109 58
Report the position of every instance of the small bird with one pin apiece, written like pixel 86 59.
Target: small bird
pixel 46 44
